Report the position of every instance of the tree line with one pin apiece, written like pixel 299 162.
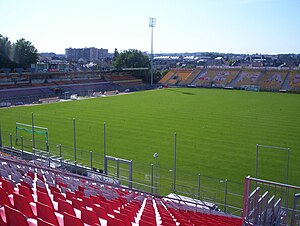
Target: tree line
pixel 133 58
pixel 20 54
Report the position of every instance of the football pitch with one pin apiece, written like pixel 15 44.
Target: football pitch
pixel 217 132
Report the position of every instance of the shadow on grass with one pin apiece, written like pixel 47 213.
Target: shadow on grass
pixel 178 91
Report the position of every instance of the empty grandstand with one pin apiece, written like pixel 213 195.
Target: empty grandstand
pixel 26 88
pixel 273 79
pixel 267 79
pixel 33 193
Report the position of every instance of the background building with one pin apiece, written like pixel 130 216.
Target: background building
pixel 88 54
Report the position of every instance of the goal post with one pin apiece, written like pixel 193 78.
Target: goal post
pixel 273 149
pixel 26 131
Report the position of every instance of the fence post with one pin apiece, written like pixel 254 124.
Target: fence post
pixel 225 198
pixel 151 178
pixel 130 175
pixel 104 148
pixel 22 146
pixel 60 153
pixel 0 136
pixel 75 150
pixel 199 186
pixel 10 140
pixel 118 168
pixel 174 179
pixel 47 146
pixel 32 123
pixel 91 159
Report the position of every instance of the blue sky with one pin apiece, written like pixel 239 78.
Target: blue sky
pixel 229 26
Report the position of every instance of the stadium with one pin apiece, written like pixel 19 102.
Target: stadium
pixel 205 146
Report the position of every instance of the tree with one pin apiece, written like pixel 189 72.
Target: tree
pixel 5 48
pixel 131 59
pixel 19 54
pixel 116 53
pixel 24 53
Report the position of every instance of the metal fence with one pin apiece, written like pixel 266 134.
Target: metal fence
pixel 223 194
pixel 270 203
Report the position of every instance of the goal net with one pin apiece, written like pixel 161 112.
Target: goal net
pixel 31 135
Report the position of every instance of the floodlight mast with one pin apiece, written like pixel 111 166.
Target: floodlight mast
pixel 152 23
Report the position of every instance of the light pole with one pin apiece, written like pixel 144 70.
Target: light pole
pixel 152 23
pixel 155 155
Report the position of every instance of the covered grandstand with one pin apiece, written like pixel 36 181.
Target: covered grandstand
pixel 265 79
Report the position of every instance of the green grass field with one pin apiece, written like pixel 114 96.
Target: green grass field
pixel 217 132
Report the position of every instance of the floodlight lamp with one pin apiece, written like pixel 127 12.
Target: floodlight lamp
pixel 152 22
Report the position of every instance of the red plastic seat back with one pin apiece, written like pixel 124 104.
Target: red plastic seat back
pixel 4 200
pixel 89 216
pixel 64 206
pixel 23 190
pixel 115 222
pixel 21 204
pixel 46 213
pixel 14 217
pixel 72 220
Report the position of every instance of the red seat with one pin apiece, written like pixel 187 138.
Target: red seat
pixel 45 199
pixel 100 211
pixel 7 186
pixel 115 222
pixel 124 218
pixel 46 213
pixel 24 183
pixel 41 177
pixel 70 195
pixel 72 220
pixel 77 203
pixel 22 204
pixel 64 206
pixel 88 201
pixel 151 220
pixel 130 213
pixel 16 218
pixel 57 196
pixel 4 200
pixel 89 216
pixel 31 174
pixel 41 189
pixel 145 223
pixel 108 207
pixel 79 194
pixel 54 189
pixel 41 222
pixel 23 190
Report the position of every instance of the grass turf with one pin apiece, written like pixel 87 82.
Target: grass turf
pixel 217 132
